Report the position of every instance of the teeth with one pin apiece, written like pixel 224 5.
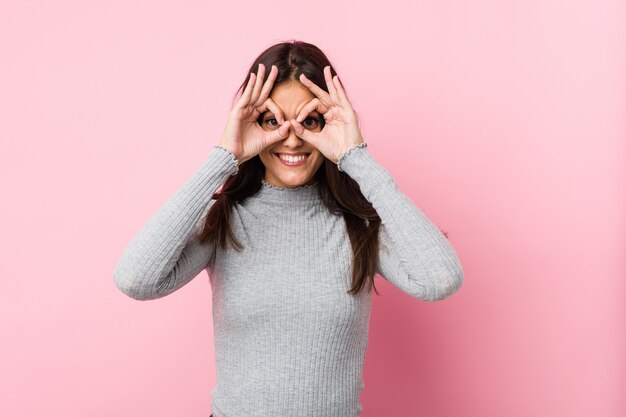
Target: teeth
pixel 292 158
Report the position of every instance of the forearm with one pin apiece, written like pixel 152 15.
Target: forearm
pixel 425 256
pixel 154 254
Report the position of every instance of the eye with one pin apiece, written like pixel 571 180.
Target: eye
pixel 314 121
pixel 269 121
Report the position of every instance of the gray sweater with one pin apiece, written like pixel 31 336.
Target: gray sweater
pixel 289 341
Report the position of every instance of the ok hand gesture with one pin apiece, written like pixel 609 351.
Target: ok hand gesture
pixel 243 136
pixel 341 130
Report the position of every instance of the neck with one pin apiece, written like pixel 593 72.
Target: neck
pixel 305 193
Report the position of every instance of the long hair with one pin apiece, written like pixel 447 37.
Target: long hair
pixel 339 193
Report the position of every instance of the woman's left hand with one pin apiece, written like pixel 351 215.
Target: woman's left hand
pixel 341 130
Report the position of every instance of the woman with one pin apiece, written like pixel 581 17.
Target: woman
pixel 304 220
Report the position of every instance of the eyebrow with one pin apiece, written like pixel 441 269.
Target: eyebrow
pixel 315 112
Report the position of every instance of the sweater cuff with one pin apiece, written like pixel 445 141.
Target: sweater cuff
pixel 361 166
pixel 348 152
pixel 223 155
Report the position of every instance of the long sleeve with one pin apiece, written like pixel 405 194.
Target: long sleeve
pixel 166 254
pixel 415 256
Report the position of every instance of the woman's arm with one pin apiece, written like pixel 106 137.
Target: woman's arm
pixel 414 255
pixel 166 254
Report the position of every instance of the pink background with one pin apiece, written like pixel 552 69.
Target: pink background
pixel 502 120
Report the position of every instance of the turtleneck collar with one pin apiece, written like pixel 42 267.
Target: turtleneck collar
pixel 303 193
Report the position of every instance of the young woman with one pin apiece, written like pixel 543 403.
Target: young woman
pixel 304 220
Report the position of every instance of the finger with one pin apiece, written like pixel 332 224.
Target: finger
pixel 247 92
pixel 343 97
pixel 271 105
pixel 303 133
pixel 315 89
pixel 331 87
pixel 269 83
pixel 279 134
pixel 314 104
pixel 258 84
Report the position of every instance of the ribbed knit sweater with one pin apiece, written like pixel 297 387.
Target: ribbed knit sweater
pixel 289 340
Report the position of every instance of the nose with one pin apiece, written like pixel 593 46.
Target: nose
pixel 293 140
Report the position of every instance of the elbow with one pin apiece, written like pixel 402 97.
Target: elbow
pixel 444 286
pixel 133 286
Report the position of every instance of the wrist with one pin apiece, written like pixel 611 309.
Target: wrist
pixel 346 154
pixel 235 158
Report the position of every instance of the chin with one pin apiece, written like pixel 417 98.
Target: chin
pixel 294 182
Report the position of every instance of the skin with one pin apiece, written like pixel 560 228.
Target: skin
pixel 341 130
pixel 291 97
pixel 292 129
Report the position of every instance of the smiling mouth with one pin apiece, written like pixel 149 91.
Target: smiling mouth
pixel 292 160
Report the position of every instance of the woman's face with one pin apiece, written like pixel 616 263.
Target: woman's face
pixel 290 97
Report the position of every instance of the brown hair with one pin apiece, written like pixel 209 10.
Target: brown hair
pixel 339 193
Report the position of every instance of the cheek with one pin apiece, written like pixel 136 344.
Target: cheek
pixel 319 159
pixel 266 157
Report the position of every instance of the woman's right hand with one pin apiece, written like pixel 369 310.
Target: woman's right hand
pixel 243 136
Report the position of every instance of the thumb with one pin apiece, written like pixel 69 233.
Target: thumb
pixel 304 133
pixel 280 134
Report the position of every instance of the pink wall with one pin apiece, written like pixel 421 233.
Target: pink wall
pixel 503 120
